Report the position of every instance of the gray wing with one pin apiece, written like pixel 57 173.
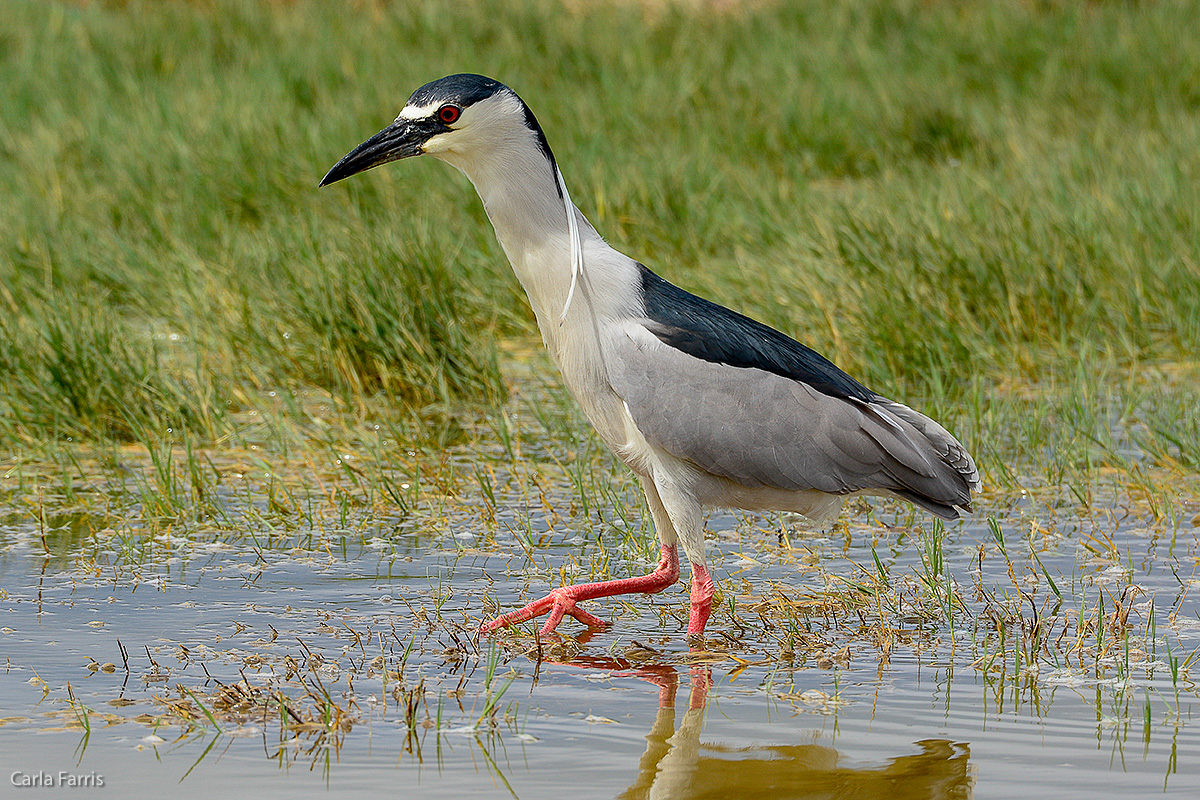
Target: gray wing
pixel 761 429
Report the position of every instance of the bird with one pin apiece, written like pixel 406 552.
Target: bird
pixel 708 407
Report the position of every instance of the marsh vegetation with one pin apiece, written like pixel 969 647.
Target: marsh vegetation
pixel 289 446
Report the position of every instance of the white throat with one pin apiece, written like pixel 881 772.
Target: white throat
pixel 577 285
pixel 544 236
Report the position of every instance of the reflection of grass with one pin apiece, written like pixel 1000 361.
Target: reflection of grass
pixel 492 694
pixel 422 670
pixel 82 714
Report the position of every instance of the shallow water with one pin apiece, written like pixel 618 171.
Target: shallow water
pixel 804 704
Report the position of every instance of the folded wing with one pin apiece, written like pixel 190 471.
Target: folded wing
pixel 761 428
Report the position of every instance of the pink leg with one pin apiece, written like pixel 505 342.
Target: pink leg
pixel 562 601
pixel 702 595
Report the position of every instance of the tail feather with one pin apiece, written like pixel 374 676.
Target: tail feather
pixel 958 476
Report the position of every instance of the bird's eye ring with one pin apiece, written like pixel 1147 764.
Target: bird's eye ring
pixel 449 114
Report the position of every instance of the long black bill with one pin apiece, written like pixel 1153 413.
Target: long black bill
pixel 401 139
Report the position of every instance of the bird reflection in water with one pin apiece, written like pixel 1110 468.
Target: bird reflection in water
pixel 677 764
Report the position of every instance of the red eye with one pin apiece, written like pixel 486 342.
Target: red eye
pixel 449 114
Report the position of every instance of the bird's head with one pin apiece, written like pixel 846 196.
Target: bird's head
pixel 458 118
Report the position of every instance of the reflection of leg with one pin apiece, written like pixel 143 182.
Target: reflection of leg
pixel 656 748
pixel 701 682
pixel 667 681
pixel 664 676
pixel 679 770
pixel 660 733
pixel 562 601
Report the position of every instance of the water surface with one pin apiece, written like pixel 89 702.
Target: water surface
pixel 809 685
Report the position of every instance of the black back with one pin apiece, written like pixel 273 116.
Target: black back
pixel 711 332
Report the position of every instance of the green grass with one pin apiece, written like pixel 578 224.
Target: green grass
pixel 989 210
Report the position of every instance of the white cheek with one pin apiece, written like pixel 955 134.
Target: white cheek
pixel 437 144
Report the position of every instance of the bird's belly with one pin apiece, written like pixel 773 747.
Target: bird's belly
pixel 611 419
pixel 585 377
pixel 715 491
pixel 573 345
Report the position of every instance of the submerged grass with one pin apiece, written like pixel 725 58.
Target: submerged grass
pixel 1082 628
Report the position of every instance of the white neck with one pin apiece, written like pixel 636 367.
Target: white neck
pixel 519 188
pixel 520 195
pixel 518 185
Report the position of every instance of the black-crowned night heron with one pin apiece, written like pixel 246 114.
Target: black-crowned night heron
pixel 708 407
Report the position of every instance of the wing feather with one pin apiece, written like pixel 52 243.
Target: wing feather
pixel 759 429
